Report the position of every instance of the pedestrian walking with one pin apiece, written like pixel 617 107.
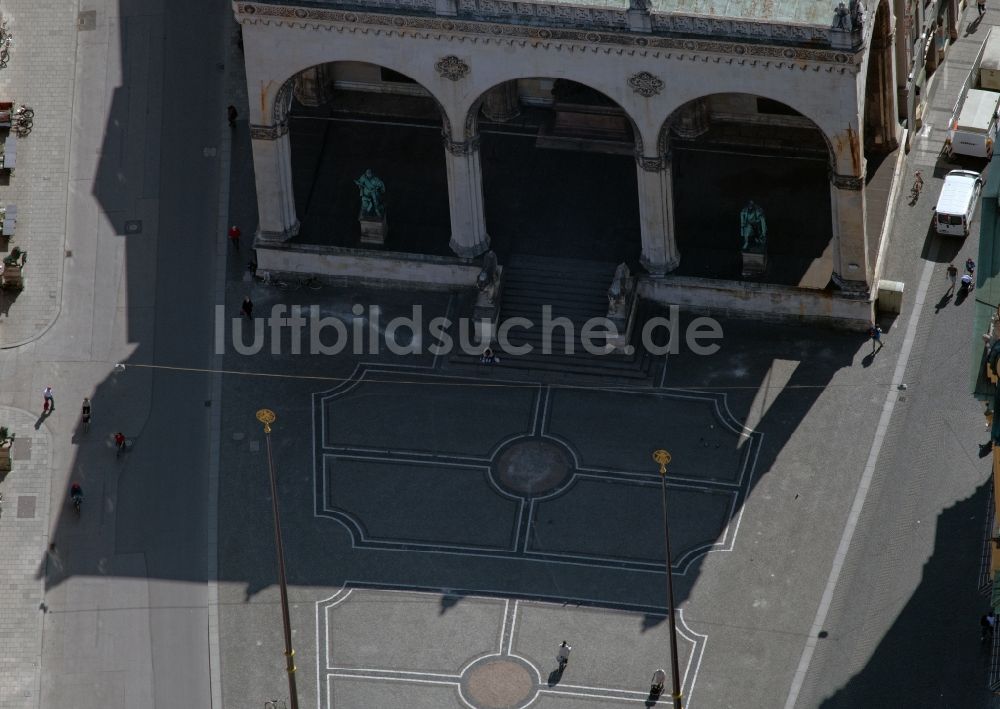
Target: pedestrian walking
pixel 987 624
pixel 562 655
pixel 876 334
pixel 952 275
pixel 119 443
pixel 981 6
pixel 232 114
pixel 247 308
pixel 970 267
pixel 48 401
pixel 234 236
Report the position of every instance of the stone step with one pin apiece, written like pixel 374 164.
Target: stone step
pixel 562 365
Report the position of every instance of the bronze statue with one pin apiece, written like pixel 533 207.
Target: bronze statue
pixel 372 189
pixel 753 227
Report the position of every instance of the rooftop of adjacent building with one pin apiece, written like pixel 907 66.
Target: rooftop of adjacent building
pixel 816 13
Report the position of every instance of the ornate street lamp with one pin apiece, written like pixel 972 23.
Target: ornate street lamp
pixel 662 458
pixel 267 417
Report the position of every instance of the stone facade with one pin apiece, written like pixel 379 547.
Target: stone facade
pixel 659 68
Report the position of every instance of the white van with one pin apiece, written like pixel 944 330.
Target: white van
pixel 973 130
pixel 957 203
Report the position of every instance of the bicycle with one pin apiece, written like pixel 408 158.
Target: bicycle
pixel 24 113
pixel 280 284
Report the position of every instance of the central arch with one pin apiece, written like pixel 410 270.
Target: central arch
pixel 543 140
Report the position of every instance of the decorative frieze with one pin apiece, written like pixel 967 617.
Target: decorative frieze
pixel 460 148
pixel 606 40
pixel 451 68
pixel 645 84
pixel 258 132
pixel 649 164
pixel 847 182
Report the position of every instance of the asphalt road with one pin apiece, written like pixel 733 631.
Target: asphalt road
pixel 126 584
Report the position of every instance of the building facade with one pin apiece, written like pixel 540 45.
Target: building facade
pixel 678 85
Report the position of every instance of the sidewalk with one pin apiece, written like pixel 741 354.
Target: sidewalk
pixel 23 541
pixel 40 73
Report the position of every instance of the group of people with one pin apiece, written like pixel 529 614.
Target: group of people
pixel 86 413
pixel 968 278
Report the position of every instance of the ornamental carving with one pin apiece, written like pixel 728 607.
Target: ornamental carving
pixel 847 182
pixel 456 148
pixel 258 132
pixel 759 50
pixel 650 164
pixel 645 84
pixel 452 68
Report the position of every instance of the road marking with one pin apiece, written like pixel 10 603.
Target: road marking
pixel 864 485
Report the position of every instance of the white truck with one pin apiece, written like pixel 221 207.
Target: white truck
pixel 973 126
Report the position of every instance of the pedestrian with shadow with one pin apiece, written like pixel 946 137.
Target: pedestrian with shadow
pixel 952 277
pixel 247 308
pixel 875 332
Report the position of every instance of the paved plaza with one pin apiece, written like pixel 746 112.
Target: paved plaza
pixel 445 530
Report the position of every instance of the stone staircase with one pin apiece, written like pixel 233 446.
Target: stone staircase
pixel 576 290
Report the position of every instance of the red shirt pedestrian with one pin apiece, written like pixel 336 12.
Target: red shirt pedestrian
pixel 234 236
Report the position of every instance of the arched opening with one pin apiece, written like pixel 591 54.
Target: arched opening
pixel 728 149
pixel 347 117
pixel 559 171
pixel 880 109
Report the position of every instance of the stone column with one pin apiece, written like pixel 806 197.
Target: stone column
pixel 656 214
pixel 851 270
pixel 465 197
pixel 501 102
pixel 272 160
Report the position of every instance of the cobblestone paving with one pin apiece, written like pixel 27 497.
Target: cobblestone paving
pixel 39 74
pixel 23 540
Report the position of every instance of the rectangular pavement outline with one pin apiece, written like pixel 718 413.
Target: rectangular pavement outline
pixel 698 642
pixel 519 548
pixel 375 543
pixel 361 373
pixel 543 393
pixel 719 403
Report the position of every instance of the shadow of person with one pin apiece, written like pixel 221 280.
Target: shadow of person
pixel 963 293
pixel 41 419
pixel 943 303
pixel 555 676
pixel 973 26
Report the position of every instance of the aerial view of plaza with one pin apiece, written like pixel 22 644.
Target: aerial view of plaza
pixel 549 354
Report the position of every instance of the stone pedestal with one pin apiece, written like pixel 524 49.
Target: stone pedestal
pixel 486 311
pixel 373 230
pixel 754 264
pixel 623 318
pixel 622 303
